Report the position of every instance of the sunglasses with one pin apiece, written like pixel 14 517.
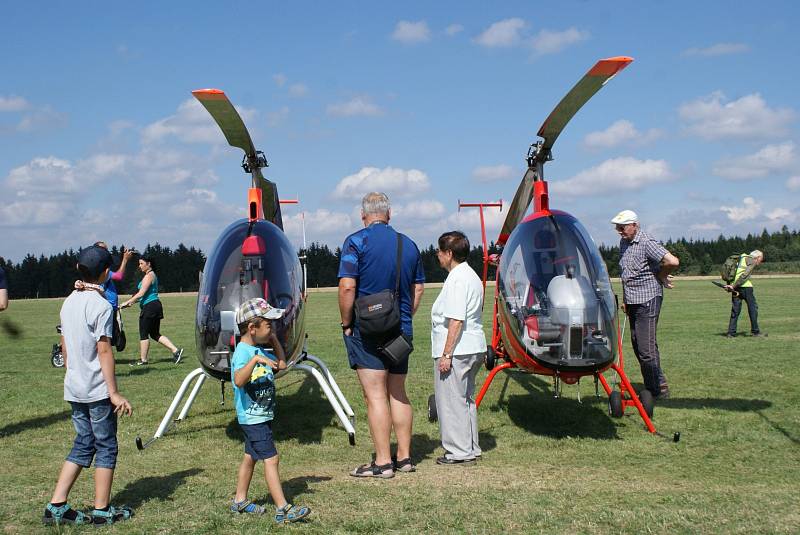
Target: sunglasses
pixel 622 227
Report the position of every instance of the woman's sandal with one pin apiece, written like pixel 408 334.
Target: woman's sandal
pixel 291 513
pixel 404 465
pixel 374 470
pixel 64 515
pixel 114 514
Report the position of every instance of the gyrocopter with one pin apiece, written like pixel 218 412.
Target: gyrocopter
pixel 251 258
pixel 555 312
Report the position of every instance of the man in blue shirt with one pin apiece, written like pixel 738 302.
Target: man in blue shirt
pixel 369 265
pixel 3 290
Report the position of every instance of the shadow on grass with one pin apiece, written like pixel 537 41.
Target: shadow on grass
pixel 778 428
pixel 733 404
pixel 299 485
pixel 34 423
pixel 158 488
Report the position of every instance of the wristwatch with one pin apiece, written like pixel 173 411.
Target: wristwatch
pixel 345 327
pixel 448 356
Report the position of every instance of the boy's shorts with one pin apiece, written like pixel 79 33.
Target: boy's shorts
pixel 258 442
pixel 363 354
pixel 96 433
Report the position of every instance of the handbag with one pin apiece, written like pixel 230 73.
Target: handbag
pixel 378 315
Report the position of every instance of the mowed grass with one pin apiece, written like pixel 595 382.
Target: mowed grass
pixel 549 465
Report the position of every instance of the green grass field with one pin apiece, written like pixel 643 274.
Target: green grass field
pixel 549 466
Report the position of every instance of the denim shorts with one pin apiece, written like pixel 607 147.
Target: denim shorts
pixel 258 442
pixel 363 354
pixel 96 433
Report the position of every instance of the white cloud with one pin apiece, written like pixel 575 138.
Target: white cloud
pixel 359 105
pixel 411 32
pixel 778 213
pixel 491 173
pixel 719 49
pixel 749 210
pixel 504 33
pixel 619 133
pixel 44 118
pixel 298 90
pixel 276 118
pixel 793 183
pixel 706 226
pixel 322 226
pixel 469 219
pixel 550 41
pixel 279 79
pixel 191 124
pixel 390 180
pixel 425 210
pixel 769 160
pixel 454 29
pixel 713 118
pixel 13 103
pixel 36 212
pixel 614 176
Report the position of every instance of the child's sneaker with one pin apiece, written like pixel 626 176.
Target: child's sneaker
pixel 178 355
pixel 113 514
pixel 64 514
pixel 246 506
pixel 290 513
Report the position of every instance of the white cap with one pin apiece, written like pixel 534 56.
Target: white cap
pixel 625 217
pixel 756 252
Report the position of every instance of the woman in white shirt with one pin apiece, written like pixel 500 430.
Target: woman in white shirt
pixel 458 347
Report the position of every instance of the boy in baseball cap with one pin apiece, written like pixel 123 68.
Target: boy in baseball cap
pixel 254 397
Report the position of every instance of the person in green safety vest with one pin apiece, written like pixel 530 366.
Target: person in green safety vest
pixel 742 289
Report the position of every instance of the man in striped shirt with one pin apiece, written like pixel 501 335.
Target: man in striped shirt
pixel 645 267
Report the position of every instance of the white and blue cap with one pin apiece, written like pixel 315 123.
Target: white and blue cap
pixel 257 308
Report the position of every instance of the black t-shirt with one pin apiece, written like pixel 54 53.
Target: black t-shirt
pixel 3 283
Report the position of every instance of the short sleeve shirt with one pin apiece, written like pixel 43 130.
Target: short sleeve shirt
pixel 255 401
pixel 370 257
pixel 639 262
pixel 3 283
pixel 111 290
pixel 461 298
pixel 85 317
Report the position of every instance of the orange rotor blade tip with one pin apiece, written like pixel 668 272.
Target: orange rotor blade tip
pixel 208 93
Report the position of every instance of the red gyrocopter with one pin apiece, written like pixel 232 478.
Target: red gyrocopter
pixel 555 312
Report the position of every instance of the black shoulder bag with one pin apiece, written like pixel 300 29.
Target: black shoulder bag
pixel 378 318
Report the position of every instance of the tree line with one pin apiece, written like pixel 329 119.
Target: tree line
pixel 178 270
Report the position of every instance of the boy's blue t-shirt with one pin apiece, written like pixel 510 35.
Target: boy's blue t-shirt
pixel 111 291
pixel 255 401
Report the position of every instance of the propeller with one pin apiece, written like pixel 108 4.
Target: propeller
pixel 227 118
pixel 540 152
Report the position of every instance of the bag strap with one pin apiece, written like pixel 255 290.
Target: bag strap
pixel 399 257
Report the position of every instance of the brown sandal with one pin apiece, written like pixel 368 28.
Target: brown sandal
pixel 374 470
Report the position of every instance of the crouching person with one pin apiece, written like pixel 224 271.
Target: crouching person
pixel 90 387
pixel 254 396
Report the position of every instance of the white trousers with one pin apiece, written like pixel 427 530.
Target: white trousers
pixel 455 406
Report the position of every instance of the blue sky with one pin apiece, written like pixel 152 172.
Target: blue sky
pixel 431 102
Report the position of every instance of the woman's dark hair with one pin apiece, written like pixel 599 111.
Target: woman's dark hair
pixel 456 242
pixel 150 260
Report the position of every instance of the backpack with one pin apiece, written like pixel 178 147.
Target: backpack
pixel 728 271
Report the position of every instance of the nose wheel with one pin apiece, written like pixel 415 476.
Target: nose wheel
pixel 432 414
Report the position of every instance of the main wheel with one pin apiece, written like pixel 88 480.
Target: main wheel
pixel 432 415
pixel 57 357
pixel 491 358
pixel 646 397
pixel 615 407
pixel 121 341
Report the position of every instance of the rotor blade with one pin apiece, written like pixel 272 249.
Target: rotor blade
pixel 269 200
pixel 603 71
pixel 518 207
pixel 226 116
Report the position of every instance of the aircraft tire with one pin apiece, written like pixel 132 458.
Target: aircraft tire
pixel 491 358
pixel 615 407
pixel 432 414
pixel 646 397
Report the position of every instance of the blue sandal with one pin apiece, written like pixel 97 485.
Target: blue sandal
pixel 246 506
pixel 57 516
pixel 290 513
pixel 114 514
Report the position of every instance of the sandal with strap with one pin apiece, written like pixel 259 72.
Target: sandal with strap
pixel 56 516
pixel 290 513
pixel 374 470
pixel 404 465
pixel 246 506
pixel 114 514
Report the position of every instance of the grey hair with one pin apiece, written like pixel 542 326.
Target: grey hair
pixel 375 203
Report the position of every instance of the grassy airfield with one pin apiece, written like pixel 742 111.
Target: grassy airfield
pixel 549 466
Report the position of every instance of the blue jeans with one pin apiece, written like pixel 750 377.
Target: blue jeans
pixel 96 433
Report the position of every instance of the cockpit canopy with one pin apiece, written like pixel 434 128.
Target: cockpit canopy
pixel 556 296
pixel 248 260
